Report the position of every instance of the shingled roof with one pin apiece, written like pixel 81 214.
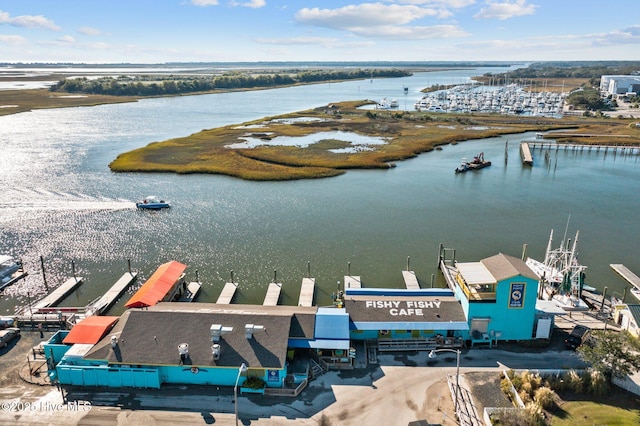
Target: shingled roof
pixel 151 336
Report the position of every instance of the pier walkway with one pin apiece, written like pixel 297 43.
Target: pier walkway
pixel 306 292
pixel 626 273
pixel 352 281
pixel 100 305
pixel 273 294
pixel 227 294
pixel 58 294
pixel 625 149
pixel 410 280
pixel 525 153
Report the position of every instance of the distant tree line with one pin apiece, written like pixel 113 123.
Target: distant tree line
pixel 159 85
pixel 591 70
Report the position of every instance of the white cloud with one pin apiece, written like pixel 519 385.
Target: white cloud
pixel 254 4
pixel 629 35
pixel 379 20
pixel 67 39
pixel 204 3
pixel 505 10
pixel 451 4
pixel 89 31
pixel 12 40
pixel 296 40
pixel 28 21
pixel 366 14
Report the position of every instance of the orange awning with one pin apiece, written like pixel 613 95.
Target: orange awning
pixel 90 330
pixel 157 286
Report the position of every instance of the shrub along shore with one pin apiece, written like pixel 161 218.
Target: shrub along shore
pixel 406 134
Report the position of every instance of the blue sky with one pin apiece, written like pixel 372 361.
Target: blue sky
pixel 157 31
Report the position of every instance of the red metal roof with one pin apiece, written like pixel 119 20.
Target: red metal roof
pixel 90 330
pixel 157 286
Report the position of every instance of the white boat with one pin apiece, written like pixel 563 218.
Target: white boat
pixel 561 276
pixel 153 203
pixel 10 271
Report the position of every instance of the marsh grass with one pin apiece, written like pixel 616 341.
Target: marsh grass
pixel 27 100
pixel 407 133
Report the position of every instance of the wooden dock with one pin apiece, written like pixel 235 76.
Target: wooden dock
pixel 306 292
pixel 191 292
pixel 100 305
pixel 625 149
pixel 410 280
pixel 352 281
pixel 626 273
pixel 227 294
pixel 525 153
pixel 58 294
pixel 273 294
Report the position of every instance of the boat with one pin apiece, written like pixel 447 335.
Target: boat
pixel 11 270
pixel 561 276
pixel 153 203
pixel 477 163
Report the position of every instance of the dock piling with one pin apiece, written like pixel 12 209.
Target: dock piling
pixel 44 276
pixel 129 266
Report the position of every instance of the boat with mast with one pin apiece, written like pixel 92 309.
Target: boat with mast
pixel 561 275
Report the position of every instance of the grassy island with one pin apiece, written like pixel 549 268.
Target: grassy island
pixel 324 142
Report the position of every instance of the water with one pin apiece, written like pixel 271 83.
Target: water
pixel 60 201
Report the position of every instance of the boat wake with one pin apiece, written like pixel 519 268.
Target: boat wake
pixel 41 200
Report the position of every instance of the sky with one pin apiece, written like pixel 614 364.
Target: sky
pixel 160 31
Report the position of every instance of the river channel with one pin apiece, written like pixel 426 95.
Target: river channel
pixel 60 201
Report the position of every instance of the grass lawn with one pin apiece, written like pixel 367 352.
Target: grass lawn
pixel 617 408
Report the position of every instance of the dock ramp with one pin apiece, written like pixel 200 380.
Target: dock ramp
pixel 352 281
pixel 273 294
pixel 227 294
pixel 410 280
pixel 306 292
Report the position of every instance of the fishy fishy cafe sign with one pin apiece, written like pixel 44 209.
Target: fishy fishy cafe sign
pixel 403 308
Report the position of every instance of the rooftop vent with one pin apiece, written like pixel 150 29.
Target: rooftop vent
pixel 249 329
pixel 217 330
pixel 215 351
pixel 183 351
pixel 114 342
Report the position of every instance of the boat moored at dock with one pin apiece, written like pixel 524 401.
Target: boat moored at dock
pixel 11 270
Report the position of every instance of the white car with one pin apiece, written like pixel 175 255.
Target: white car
pixel 8 335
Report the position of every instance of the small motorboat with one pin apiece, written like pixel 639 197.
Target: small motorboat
pixel 153 203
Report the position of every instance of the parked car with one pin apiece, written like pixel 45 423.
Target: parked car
pixel 6 322
pixel 579 335
pixel 8 335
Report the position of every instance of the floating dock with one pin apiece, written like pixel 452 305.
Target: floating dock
pixel 410 280
pixel 525 153
pixel 100 305
pixel 306 292
pixel 352 281
pixel 626 273
pixel 191 292
pixel 273 294
pixel 227 294
pixel 58 294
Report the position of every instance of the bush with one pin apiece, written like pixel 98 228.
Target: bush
pixel 254 383
pixel 598 383
pixel 545 398
pixel 575 382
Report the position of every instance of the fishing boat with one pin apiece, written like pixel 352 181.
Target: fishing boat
pixel 153 203
pixel 11 270
pixel 477 163
pixel 561 276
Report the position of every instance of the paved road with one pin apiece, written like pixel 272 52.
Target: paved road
pixel 401 389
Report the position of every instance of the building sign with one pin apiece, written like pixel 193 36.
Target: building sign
pixel 403 308
pixel 516 295
pixel 273 376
